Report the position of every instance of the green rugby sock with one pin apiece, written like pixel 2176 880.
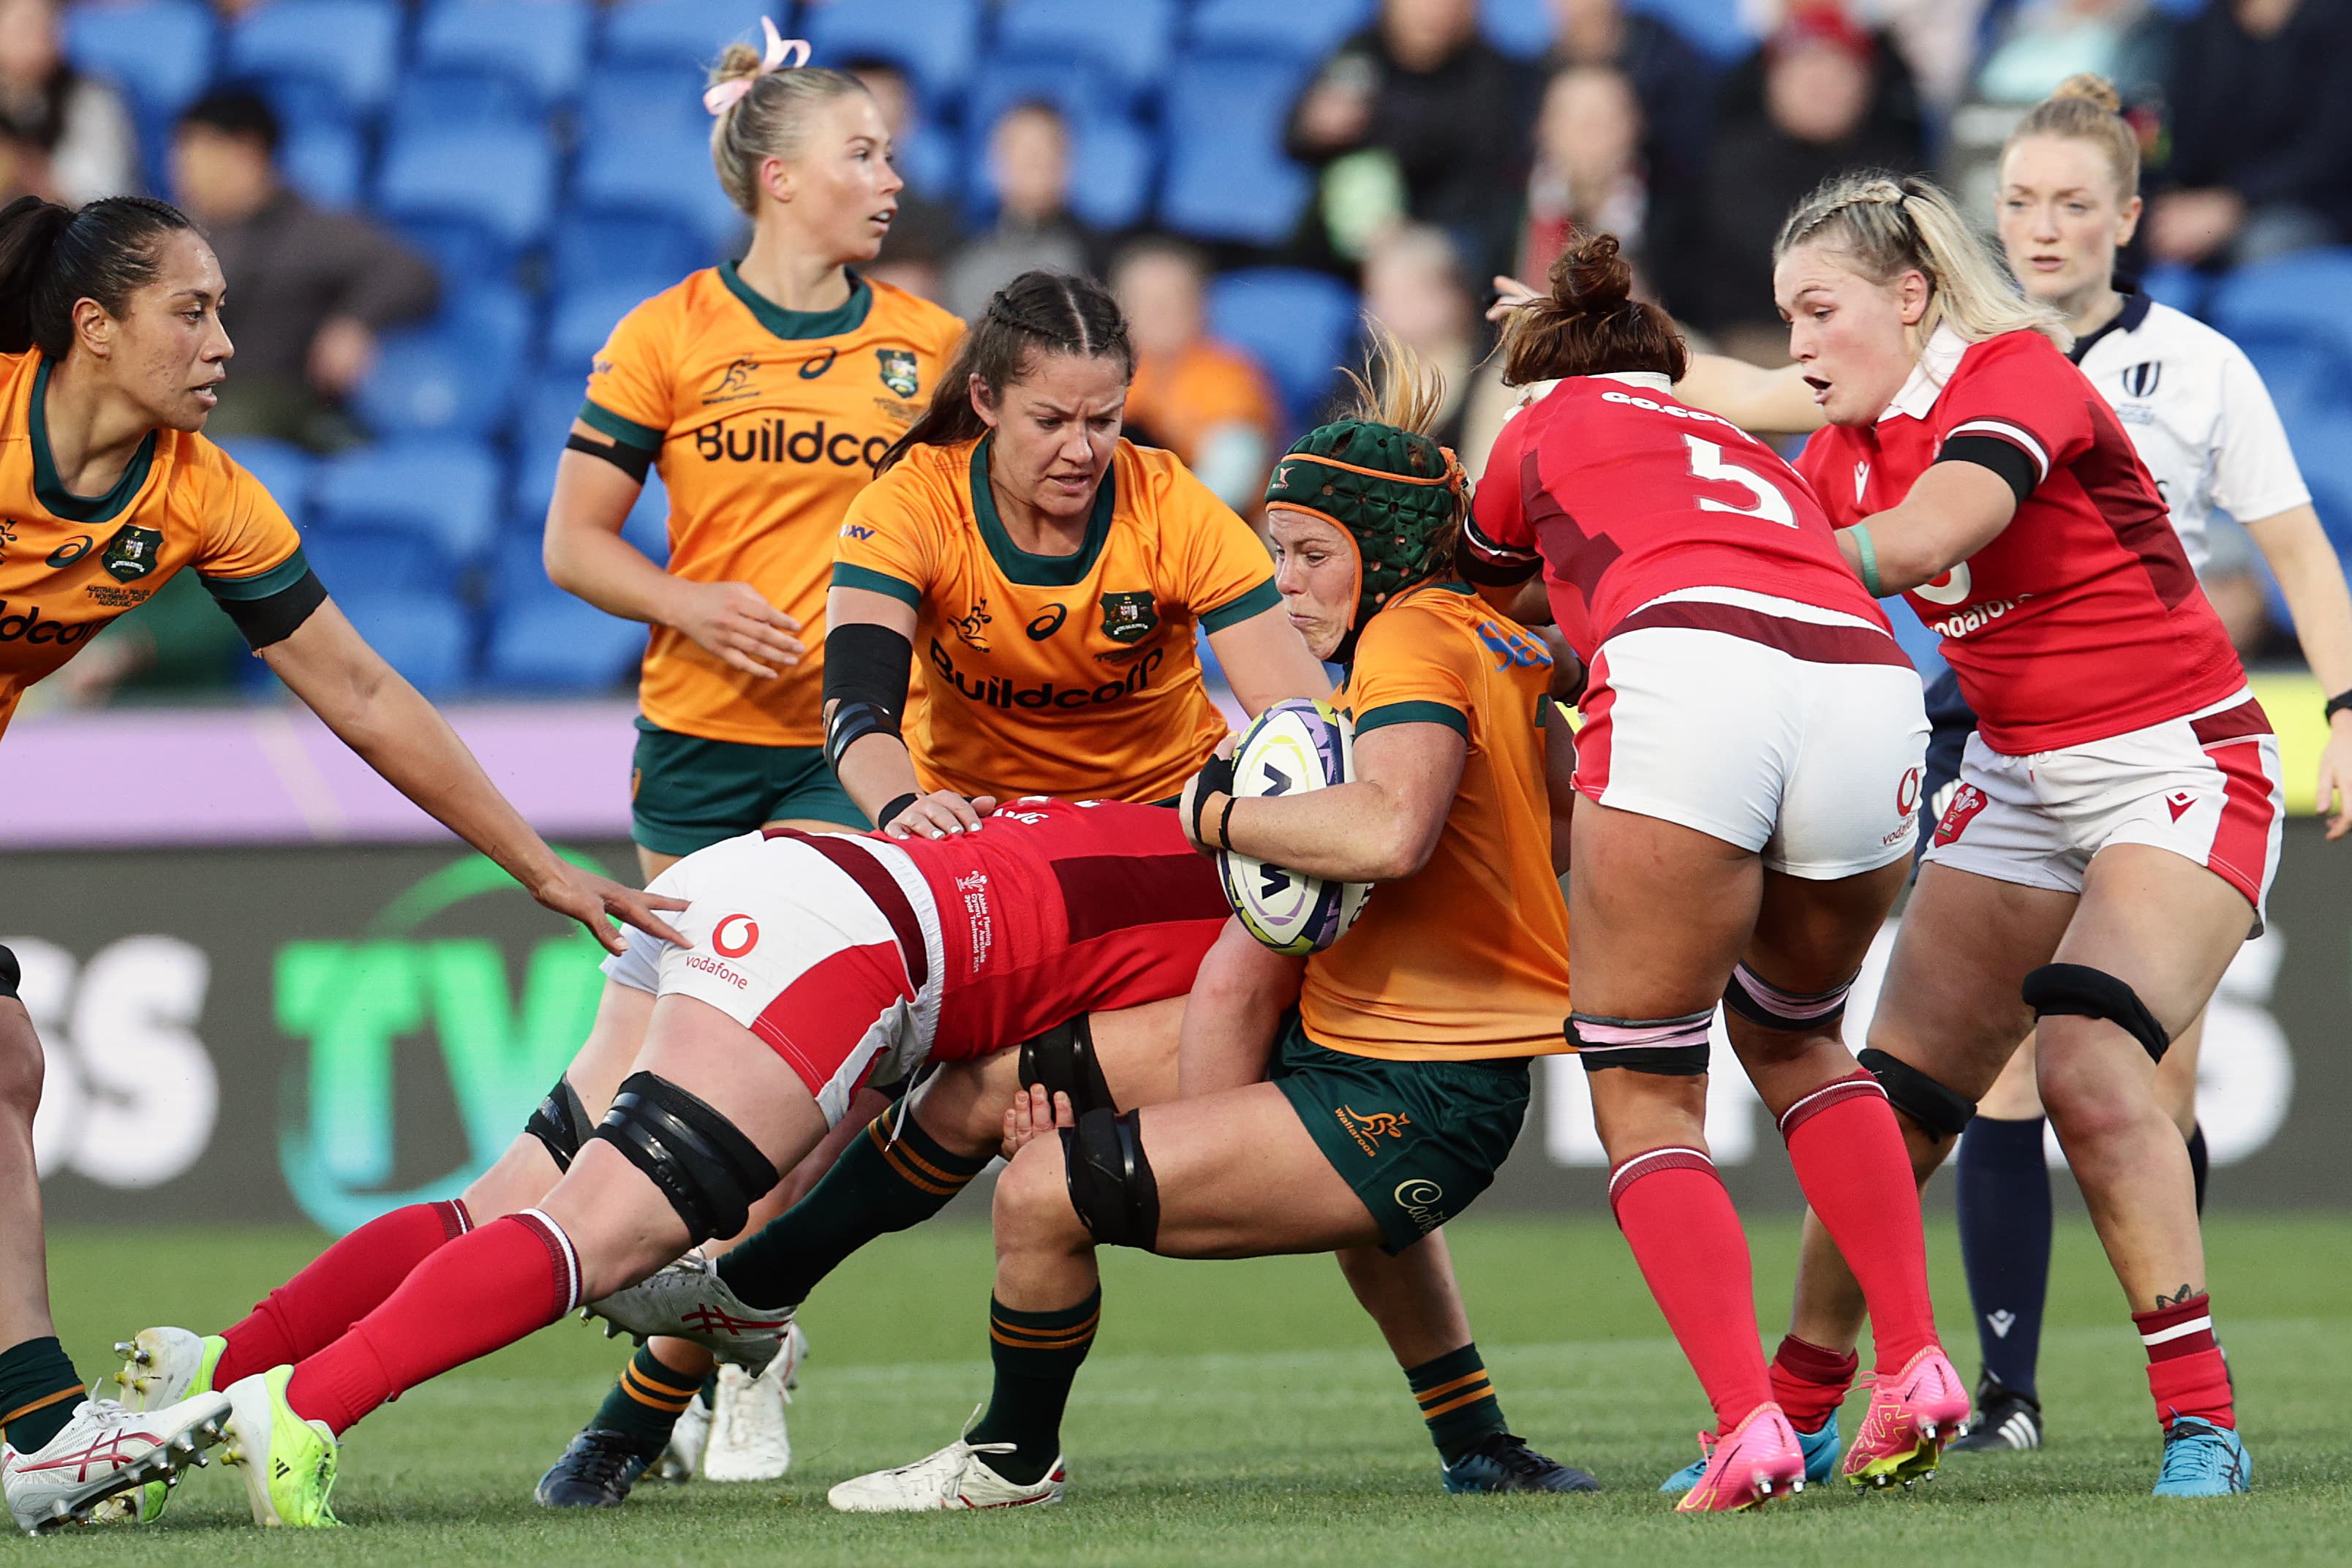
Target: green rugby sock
pixel 647 1401
pixel 883 1182
pixel 40 1392
pixel 1037 1356
pixel 1457 1400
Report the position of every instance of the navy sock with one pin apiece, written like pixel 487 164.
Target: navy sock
pixel 2004 1201
pixel 2198 1161
pixel 40 1392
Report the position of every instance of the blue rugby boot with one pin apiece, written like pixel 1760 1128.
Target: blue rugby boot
pixel 2201 1459
pixel 1820 1448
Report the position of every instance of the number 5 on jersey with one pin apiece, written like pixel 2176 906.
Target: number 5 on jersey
pixel 1707 462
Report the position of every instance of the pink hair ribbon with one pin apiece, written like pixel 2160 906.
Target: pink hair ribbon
pixel 783 54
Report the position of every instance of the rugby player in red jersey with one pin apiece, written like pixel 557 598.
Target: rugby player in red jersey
pixel 818 965
pixel 1750 766
pixel 2118 813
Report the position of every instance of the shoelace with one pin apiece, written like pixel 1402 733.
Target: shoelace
pixel 604 1463
pixel 1512 1453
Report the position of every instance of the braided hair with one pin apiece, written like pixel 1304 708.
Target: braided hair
pixel 1037 313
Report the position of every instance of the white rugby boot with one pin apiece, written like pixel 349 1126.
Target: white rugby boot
pixel 689 1439
pixel 104 1450
pixel 160 1367
pixel 957 1476
pixel 687 1301
pixel 748 1441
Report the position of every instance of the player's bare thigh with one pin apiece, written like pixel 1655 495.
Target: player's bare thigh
pixel 1657 913
pixel 523 1174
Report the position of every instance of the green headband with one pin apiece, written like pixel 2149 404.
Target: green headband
pixel 1397 494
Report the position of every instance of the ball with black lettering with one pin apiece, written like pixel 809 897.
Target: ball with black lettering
pixel 1291 748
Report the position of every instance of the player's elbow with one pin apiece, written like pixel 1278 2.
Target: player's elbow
pixel 1403 846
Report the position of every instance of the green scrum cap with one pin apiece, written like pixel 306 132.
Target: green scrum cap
pixel 1398 494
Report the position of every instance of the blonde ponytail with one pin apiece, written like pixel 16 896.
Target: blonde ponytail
pixel 1889 224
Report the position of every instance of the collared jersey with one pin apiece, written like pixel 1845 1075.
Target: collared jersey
pixel 1623 494
pixel 71 563
pixel 2082 618
pixel 763 424
pixel 1466 958
pixel 2198 414
pixel 1064 675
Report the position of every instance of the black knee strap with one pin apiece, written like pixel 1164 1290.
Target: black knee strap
pixel 1934 1107
pixel 1111 1185
pixel 710 1172
pixel 11 972
pixel 2082 991
pixel 561 1122
pixel 1062 1061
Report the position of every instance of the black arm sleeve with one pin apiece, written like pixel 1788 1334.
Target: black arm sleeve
pixel 634 461
pixel 867 671
pixel 275 616
pixel 1991 452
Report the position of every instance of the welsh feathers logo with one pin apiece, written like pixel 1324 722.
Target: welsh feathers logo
pixel 1965 803
pixel 898 372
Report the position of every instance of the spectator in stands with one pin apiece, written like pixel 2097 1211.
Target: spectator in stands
pixel 2261 99
pixel 1674 81
pixel 1417 286
pixel 924 233
pixel 1932 42
pixel 1029 164
pixel 309 290
pixel 1590 176
pixel 1417 117
pixel 1826 96
pixel 1206 401
pixel 64 137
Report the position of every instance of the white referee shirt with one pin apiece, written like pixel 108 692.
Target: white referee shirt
pixel 2199 415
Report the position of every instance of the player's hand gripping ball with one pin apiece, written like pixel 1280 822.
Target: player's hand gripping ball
pixel 1289 748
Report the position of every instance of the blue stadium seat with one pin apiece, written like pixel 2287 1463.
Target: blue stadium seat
pixel 285 470
pixel 582 319
pixel 934 41
pixel 360 560
pixel 1005 81
pixel 1299 324
pixel 2323 447
pixel 2183 288
pixel 542 44
pixel 593 247
pixel 1300 30
pixel 1715 26
pixel 647 526
pixel 1111 165
pixel 558 643
pixel 2293 318
pixel 1520 27
pixel 497 181
pixel 677 33
pixel 161 51
pixel 452 98
pixel 426 637
pixel 350 48
pixel 1227 177
pixel 662 175
pixel 1128 44
pixel 623 100
pixel 456 375
pixel 440 491
pixel 326 163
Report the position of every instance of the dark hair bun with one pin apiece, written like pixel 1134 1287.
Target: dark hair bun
pixel 1590 277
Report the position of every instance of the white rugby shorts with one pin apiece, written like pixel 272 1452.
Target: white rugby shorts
pixel 827 949
pixel 1794 732
pixel 2206 787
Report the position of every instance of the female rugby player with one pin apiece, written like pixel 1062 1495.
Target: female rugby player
pixel 763 390
pixel 111 348
pixel 2117 818
pixel 1402 1083
pixel 820 963
pixel 1753 740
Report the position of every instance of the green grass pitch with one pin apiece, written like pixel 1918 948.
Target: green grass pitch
pixel 1246 1413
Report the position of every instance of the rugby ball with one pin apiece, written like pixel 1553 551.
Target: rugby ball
pixel 1289 748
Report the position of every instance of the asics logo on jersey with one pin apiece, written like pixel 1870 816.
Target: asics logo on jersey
pixel 26 626
pixel 71 550
pixel 811 369
pixel 1367 1130
pixel 773 440
pixel 997 692
pixel 1047 621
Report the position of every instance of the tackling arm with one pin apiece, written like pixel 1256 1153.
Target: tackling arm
pixel 1380 827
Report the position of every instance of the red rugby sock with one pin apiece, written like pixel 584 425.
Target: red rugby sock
pixel 1850 1159
pixel 1810 1383
pixel 479 1293
pixel 338 1288
pixel 2185 1369
pixel 1686 1236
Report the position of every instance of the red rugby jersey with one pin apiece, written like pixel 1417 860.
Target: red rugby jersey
pixel 1625 494
pixel 2083 618
pixel 1054 909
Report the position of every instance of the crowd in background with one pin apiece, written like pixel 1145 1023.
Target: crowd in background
pixel 1435 160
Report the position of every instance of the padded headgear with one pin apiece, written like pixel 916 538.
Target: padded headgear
pixel 1398 494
